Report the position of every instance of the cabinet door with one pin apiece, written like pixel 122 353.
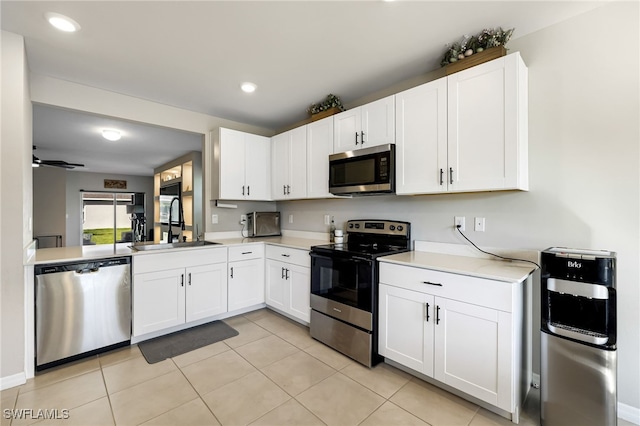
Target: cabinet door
pixel 206 293
pixel 246 284
pixel 378 122
pixel 280 165
pixel 299 286
pixel 297 164
pixel 232 164
pixel 421 139
pixel 473 351
pixel 258 167
pixel 319 147
pixel 406 327
pixel 276 284
pixel 346 125
pixel 483 126
pixel 158 300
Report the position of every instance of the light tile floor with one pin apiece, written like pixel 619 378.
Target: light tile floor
pixel 272 373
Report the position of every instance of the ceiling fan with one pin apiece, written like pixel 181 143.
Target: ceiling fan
pixel 53 163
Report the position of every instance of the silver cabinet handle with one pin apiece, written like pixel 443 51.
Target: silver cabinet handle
pixel 427 309
pixel 362 138
pixel 431 283
pixel 232 272
pixel 356 138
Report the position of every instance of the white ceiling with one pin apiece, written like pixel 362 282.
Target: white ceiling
pixel 194 55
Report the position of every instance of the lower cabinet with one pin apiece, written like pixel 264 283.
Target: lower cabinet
pixel 246 276
pixel 424 326
pixel 167 294
pixel 288 285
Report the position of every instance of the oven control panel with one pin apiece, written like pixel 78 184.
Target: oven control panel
pixel 378 227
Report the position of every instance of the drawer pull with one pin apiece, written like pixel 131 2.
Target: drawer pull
pixel 430 283
pixel 247 252
pixel 336 309
pixel 285 255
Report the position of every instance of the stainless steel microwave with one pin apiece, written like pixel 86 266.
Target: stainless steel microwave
pixel 364 171
pixel 263 224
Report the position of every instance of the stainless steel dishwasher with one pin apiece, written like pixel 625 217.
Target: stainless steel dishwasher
pixel 82 308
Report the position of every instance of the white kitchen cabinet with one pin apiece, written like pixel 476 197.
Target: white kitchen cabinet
pixel 487 130
pixel 421 139
pixel 465 132
pixel 288 288
pixel 368 125
pixel 456 329
pixel 319 147
pixel 175 288
pixel 245 276
pixel 242 166
pixel 289 164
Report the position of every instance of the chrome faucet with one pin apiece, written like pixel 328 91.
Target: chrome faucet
pixel 180 219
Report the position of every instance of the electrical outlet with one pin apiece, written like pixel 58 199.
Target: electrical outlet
pixel 327 219
pixel 458 222
pixel 214 218
pixel 290 218
pixel 479 224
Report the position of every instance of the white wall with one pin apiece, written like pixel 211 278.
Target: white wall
pixel 49 204
pixel 16 207
pixel 77 181
pixel 584 162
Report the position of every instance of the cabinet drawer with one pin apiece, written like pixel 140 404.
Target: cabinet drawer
pixel 478 291
pixel 289 255
pixel 178 259
pixel 246 252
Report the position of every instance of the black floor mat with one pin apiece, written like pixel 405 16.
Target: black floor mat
pixel 180 342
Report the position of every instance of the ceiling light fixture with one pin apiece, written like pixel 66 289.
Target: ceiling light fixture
pixel 248 87
pixel 111 135
pixel 61 22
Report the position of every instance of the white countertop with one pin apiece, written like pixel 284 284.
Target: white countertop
pixel 499 270
pixel 81 253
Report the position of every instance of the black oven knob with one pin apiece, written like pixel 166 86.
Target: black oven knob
pixel 357 226
pixel 392 228
pixel 351 225
pixel 400 228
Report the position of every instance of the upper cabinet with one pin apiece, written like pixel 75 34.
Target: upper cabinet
pixel 365 126
pixel 465 132
pixel 289 164
pixel 241 166
pixel 319 147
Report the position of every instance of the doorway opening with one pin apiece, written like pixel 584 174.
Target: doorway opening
pixel 112 217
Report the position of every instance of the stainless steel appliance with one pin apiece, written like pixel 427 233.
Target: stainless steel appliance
pixel 364 171
pixel 263 224
pixel 344 286
pixel 578 338
pixel 81 309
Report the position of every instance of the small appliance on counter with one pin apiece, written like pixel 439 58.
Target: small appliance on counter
pixel 263 224
pixel 578 337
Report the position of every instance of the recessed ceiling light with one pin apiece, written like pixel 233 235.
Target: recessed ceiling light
pixel 248 87
pixel 111 135
pixel 61 22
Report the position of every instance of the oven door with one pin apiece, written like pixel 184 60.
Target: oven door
pixel 342 278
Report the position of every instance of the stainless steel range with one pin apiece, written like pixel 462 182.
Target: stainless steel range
pixel 344 286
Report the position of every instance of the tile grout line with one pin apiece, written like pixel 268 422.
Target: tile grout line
pixel 106 389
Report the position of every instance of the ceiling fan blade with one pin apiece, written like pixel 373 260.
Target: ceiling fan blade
pixel 59 163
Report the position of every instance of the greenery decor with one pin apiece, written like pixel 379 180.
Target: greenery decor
pixel 332 101
pixel 469 45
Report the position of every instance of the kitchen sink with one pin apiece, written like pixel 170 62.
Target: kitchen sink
pixel 166 246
